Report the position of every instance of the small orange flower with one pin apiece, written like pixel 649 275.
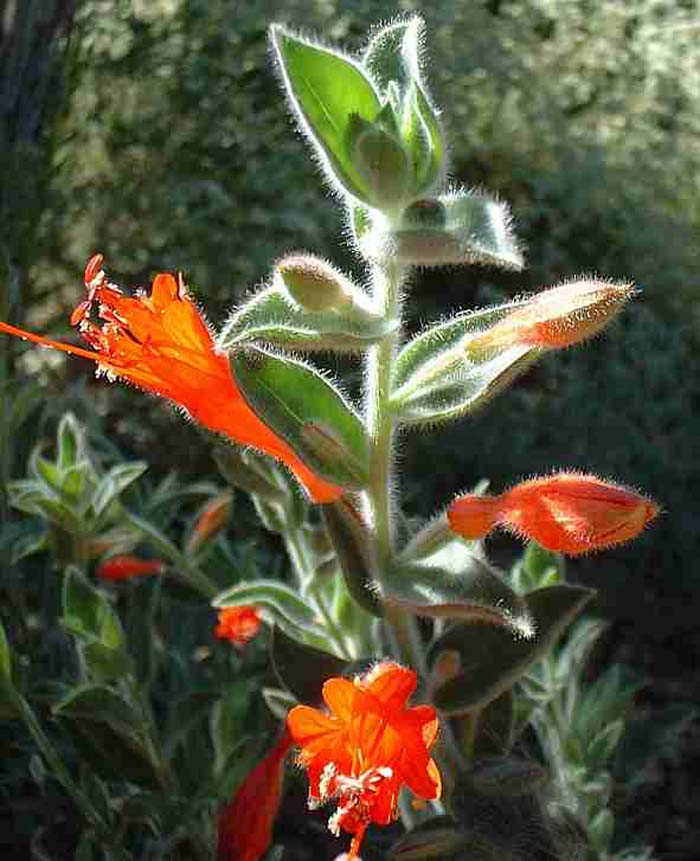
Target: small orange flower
pixel 245 823
pixel 161 343
pixel 238 624
pixel 368 746
pixel 569 513
pixel 126 567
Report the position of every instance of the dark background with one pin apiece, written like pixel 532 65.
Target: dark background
pixel 156 133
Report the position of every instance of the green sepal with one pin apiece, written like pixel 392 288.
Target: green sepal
pixel 354 545
pixel 435 378
pixel 273 317
pixel 302 669
pixel 493 658
pixel 111 730
pixel 455 582
pixel 460 228
pixel 303 408
pixel 279 604
pixel 327 90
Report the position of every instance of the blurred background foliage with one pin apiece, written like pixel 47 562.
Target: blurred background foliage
pixel 155 132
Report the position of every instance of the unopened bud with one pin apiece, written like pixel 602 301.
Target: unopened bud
pixel 555 318
pixel 210 521
pixel 313 283
pixel 128 567
pixel 380 159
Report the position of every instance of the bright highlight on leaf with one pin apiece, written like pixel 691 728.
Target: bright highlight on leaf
pixel 238 625
pixel 366 747
pixel 568 513
pixel 161 343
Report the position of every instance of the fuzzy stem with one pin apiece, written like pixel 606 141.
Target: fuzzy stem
pixel 387 282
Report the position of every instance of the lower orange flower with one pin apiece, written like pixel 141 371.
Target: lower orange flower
pixel 569 513
pixel 238 624
pixel 366 748
pixel 126 567
pixel 245 823
pixel 161 343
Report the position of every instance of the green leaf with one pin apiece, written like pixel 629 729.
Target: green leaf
pixel 423 140
pixel 462 228
pixel 436 379
pixel 278 701
pixel 495 726
pixel 116 481
pixel 327 90
pixel 507 776
pixel 301 669
pixel 493 658
pixel 112 730
pixel 71 442
pixel 280 604
pixel 602 746
pixel 273 317
pixel 354 546
pixel 306 411
pixel 455 582
pixel 88 614
pixel 5 655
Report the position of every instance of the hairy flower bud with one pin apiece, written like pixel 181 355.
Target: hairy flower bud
pixel 313 283
pixel 555 318
pixel 568 513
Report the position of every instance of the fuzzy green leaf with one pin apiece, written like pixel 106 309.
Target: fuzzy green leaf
pixel 493 658
pixel 280 604
pixel 327 90
pixel 273 317
pixel 308 412
pixel 455 582
pixel 114 482
pixel 302 669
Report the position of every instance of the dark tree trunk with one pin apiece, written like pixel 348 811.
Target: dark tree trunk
pixel 33 42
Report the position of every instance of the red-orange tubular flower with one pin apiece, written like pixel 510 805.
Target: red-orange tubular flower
pixel 161 343
pixel 245 823
pixel 126 567
pixel 366 748
pixel 238 624
pixel 569 513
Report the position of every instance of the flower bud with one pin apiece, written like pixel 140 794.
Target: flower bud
pixel 555 318
pixel 313 283
pixel 568 513
pixel 126 567
pixel 210 521
pixel 380 159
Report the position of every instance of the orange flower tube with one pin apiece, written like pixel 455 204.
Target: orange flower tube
pixel 126 567
pixel 245 823
pixel 161 343
pixel 569 513
pixel 366 747
pixel 238 624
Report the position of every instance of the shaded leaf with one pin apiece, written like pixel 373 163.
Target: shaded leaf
pixel 301 669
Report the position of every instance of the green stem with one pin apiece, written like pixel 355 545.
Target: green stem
pixel 387 282
pixel 295 544
pixel 54 761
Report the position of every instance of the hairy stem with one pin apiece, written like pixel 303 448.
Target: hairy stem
pixel 387 282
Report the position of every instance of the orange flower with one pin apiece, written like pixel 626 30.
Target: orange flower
pixel 238 624
pixel 245 823
pixel 161 343
pixel 125 567
pixel 366 748
pixel 568 513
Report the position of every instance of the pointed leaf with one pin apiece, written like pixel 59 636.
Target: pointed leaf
pixel 301 669
pixel 353 543
pixel 327 90
pixel 280 604
pixel 308 412
pixel 273 317
pixel 71 442
pixel 455 582
pixel 493 658
pixel 495 727
pixel 114 482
